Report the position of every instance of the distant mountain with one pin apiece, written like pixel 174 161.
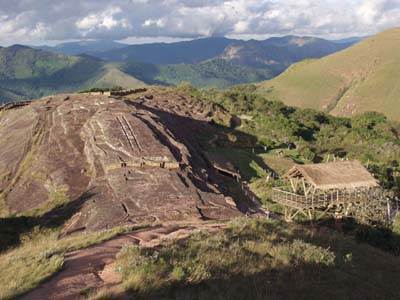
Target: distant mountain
pixel 83 47
pixel 355 39
pixel 278 53
pixel 216 72
pixel 274 54
pixel 207 62
pixel 364 77
pixel 189 52
pixel 31 73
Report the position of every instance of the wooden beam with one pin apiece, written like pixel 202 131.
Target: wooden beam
pixel 294 183
pixel 306 190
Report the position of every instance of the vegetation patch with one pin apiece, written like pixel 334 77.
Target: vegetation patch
pixel 40 255
pixel 102 89
pixel 258 260
pixel 306 136
pixel 216 72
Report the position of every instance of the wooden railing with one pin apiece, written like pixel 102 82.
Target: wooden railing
pixel 322 199
pixel 128 92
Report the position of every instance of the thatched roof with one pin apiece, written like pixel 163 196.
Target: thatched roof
pixel 335 175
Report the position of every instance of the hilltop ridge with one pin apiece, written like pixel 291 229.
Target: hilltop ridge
pixel 361 78
pixel 27 73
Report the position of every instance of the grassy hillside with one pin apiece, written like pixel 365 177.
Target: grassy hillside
pixel 29 73
pixel 358 79
pixel 211 73
pixel 257 260
pixel 306 135
pixel 112 75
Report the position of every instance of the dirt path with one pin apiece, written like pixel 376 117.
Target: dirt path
pixel 92 268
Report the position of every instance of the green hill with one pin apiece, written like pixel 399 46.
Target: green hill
pixel 358 79
pixel 33 73
pixel 211 73
pixel 30 73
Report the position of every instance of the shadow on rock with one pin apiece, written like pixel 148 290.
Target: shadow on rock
pixel 12 228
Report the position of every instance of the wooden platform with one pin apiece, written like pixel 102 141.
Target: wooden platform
pixel 336 200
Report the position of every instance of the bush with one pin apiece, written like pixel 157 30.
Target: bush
pixel 308 154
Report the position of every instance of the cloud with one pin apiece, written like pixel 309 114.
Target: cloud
pixel 38 21
pixel 103 22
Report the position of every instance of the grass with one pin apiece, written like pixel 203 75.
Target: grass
pixel 57 198
pixel 111 75
pixel 254 259
pixel 210 73
pixel 40 255
pixel 359 79
pixel 279 164
pixel 24 167
pixel 242 159
pixel 252 166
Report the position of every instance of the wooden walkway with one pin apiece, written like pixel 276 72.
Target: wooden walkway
pixel 340 201
pixel 321 200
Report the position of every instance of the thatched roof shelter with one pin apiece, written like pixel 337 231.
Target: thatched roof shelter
pixel 334 175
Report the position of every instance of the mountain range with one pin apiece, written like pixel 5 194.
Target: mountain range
pixel 27 72
pixel 83 47
pixel 275 54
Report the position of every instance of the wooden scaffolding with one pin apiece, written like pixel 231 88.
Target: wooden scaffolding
pixel 342 188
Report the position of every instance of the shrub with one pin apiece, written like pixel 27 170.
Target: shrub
pixel 178 274
pixel 308 154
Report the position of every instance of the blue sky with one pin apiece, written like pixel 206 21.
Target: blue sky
pixel 51 21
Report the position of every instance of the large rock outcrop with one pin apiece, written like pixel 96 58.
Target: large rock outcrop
pixel 115 161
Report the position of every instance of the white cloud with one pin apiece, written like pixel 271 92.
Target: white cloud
pixel 160 23
pixel 241 26
pixel 36 21
pixel 105 20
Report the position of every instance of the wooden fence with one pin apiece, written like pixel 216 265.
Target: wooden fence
pixel 323 199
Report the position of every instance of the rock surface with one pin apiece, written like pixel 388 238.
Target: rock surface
pixel 117 161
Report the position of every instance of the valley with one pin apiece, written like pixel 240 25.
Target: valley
pixel 32 72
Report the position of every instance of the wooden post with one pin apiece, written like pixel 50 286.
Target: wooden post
pixel 294 185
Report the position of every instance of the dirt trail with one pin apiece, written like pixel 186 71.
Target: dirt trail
pixel 92 268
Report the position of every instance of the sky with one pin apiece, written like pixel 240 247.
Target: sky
pixel 37 22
